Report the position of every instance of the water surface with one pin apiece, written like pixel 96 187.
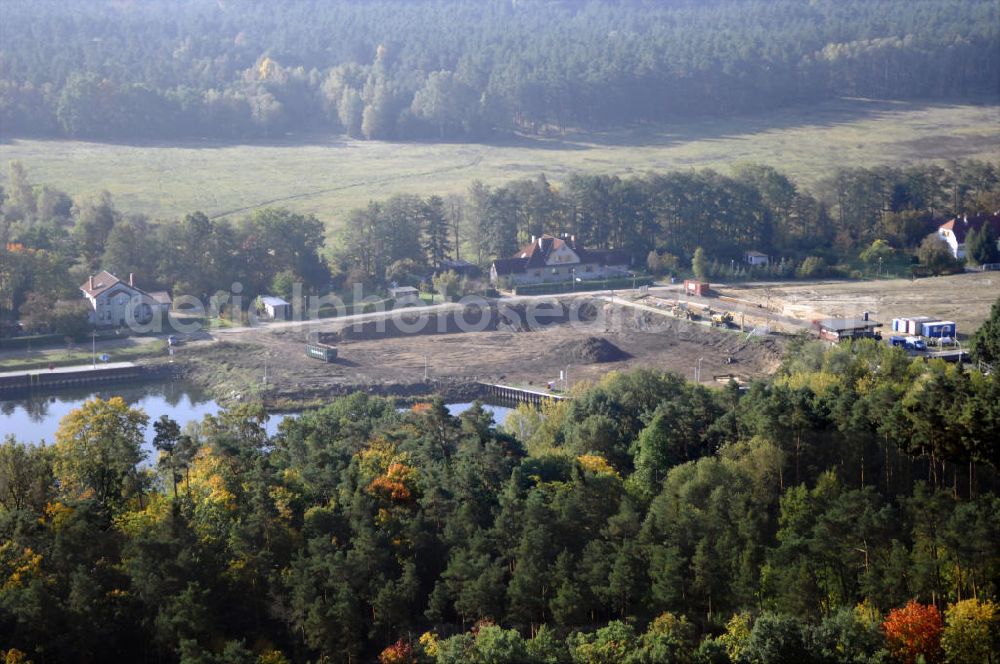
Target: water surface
pixel 36 419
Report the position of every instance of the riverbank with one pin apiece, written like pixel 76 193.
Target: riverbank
pixel 40 382
pixel 235 371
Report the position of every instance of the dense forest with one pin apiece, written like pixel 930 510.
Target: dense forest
pixel 844 511
pixel 395 69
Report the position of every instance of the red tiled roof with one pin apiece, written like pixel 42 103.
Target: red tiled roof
pixel 536 254
pixel 99 283
pixel 961 226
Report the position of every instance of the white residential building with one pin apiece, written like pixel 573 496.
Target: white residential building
pixel 954 231
pixel 548 259
pixel 116 303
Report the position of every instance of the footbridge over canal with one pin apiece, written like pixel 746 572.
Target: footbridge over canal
pixel 508 394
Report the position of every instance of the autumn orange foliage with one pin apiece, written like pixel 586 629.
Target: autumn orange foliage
pixel 399 652
pixel 914 630
pixel 393 485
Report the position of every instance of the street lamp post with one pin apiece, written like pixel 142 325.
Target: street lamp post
pixel 93 348
pixel 697 370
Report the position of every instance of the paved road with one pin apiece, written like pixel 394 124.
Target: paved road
pixel 674 291
pixel 101 366
pixel 394 313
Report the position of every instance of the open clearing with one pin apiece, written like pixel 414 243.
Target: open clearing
pixel 963 298
pixel 329 175
pixel 531 358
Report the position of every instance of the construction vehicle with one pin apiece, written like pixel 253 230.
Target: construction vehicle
pixel 723 318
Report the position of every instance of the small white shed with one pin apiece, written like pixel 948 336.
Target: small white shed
pixel 404 293
pixel 276 308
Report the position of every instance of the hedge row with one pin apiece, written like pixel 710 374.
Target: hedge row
pixel 567 286
pixel 35 341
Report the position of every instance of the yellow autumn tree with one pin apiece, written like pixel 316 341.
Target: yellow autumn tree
pixel 387 471
pixel 971 633
pixel 596 464
pixel 210 486
pixel 18 565
pixel 98 447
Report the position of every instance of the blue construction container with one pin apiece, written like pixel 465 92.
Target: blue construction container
pixel 939 328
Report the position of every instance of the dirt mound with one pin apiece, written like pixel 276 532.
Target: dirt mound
pixel 592 350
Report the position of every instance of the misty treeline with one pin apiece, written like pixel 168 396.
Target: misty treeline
pixel 647 520
pixel 49 243
pixel 467 68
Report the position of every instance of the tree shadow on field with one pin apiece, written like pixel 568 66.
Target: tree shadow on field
pixel 664 133
pixel 838 112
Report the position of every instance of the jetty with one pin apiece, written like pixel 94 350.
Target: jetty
pixel 508 394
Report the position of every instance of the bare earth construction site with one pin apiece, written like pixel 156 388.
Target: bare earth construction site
pixel 387 362
pixel 620 331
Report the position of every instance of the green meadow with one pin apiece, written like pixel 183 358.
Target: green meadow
pixel 329 175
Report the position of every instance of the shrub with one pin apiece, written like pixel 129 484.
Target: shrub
pixel 935 256
pixel 567 287
pixel 812 267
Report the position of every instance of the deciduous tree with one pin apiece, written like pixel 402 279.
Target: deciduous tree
pixel 98 447
pixel 914 631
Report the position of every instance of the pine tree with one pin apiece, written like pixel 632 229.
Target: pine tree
pixel 437 244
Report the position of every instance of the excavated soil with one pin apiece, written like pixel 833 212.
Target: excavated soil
pixel 592 350
pixel 448 362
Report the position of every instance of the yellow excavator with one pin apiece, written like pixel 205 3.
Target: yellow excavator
pixel 723 318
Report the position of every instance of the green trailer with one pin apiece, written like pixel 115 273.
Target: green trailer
pixel 323 352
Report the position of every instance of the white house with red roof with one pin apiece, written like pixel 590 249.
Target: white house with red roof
pixel 116 303
pixel 549 259
pixel 954 231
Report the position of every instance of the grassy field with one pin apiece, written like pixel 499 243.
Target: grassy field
pixel 329 175
pixel 81 354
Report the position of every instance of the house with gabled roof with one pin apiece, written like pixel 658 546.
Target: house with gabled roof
pixel 954 231
pixel 117 303
pixel 549 259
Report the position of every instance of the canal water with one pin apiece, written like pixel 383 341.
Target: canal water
pixel 36 419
